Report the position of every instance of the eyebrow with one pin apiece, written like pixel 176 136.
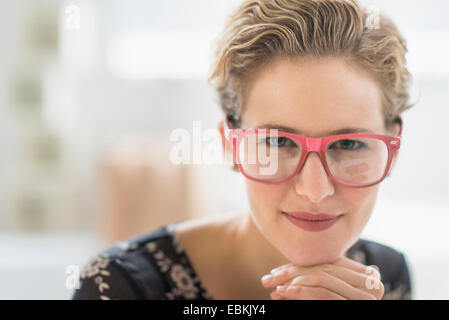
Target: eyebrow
pixel 344 130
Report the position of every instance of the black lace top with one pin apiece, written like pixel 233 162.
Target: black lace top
pixel 154 266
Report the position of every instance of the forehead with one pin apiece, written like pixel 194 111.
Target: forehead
pixel 314 97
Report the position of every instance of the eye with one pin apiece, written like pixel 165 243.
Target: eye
pixel 347 144
pixel 278 141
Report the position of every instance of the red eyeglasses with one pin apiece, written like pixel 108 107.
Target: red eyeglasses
pixel 353 160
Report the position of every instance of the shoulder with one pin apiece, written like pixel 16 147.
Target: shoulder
pixel 391 263
pixel 125 269
pixel 152 265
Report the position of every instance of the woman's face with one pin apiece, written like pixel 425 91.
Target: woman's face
pixel 314 97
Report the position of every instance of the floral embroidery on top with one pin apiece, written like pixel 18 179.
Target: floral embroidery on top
pixel 176 243
pixel 183 279
pixel 179 275
pixel 162 261
pixel 185 285
pixel 96 267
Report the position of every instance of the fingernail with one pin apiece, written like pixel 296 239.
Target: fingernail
pixel 280 274
pixel 281 288
pixel 275 270
pixel 267 278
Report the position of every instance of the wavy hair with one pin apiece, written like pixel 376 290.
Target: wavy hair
pixel 259 32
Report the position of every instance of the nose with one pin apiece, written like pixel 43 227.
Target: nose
pixel 312 180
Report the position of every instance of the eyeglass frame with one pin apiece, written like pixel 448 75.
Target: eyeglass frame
pixel 309 144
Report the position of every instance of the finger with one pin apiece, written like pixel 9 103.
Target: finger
pixel 275 296
pixel 357 266
pixel 371 276
pixel 274 270
pixel 266 279
pixel 353 272
pixel 369 283
pixel 366 282
pixel 288 272
pixel 337 285
pixel 362 281
pixel 309 293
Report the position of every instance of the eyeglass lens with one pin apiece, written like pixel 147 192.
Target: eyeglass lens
pixel 355 161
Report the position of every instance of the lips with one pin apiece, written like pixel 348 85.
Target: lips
pixel 312 216
pixel 319 222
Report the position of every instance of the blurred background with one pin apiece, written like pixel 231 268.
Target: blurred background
pixel 90 92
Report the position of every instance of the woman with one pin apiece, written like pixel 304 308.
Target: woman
pixel 318 86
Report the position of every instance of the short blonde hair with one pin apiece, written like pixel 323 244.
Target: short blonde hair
pixel 261 31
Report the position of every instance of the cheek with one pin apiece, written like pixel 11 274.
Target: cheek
pixel 264 200
pixel 264 197
pixel 359 204
pixel 357 201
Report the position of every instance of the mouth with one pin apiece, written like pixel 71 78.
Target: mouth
pixel 312 216
pixel 312 222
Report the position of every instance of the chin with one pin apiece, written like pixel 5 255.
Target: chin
pixel 312 248
pixel 314 254
pixel 314 259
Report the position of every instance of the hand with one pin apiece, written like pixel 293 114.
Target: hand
pixel 343 279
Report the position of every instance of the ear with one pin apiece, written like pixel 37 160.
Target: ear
pixel 228 149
